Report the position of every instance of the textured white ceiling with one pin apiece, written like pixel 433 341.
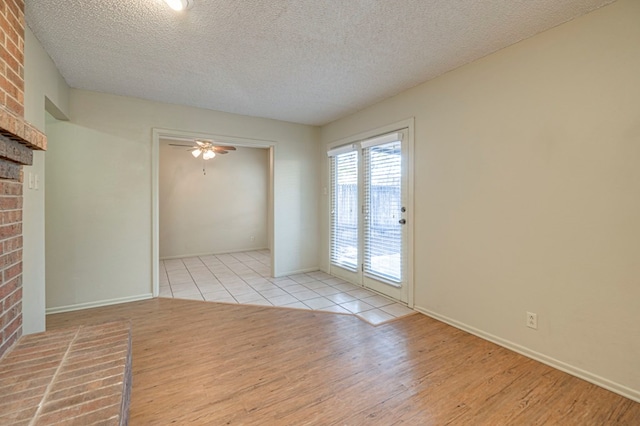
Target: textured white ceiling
pixel 305 61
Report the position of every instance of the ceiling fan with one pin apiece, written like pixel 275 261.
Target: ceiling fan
pixel 206 148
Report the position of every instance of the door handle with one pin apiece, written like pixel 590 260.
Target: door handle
pixel 402 221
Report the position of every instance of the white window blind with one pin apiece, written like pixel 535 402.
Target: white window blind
pixel 379 140
pixel 341 150
pixel 382 209
pixel 344 208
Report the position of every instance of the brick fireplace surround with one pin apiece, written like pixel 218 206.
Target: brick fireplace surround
pixel 18 139
pixel 76 376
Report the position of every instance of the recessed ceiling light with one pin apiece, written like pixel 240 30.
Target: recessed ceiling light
pixel 179 5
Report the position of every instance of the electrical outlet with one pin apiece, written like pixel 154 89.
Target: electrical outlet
pixel 532 320
pixel 253 238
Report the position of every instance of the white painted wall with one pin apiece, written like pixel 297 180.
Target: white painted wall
pixel 216 212
pixel 97 224
pixel 527 194
pixel 99 193
pixel 42 81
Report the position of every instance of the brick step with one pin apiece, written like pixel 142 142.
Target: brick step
pixel 74 376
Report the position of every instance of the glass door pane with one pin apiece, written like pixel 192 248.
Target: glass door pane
pixel 344 211
pixel 382 206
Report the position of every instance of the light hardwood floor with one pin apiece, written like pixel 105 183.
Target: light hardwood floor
pixel 215 364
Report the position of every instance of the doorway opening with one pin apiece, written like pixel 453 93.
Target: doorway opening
pixel 210 207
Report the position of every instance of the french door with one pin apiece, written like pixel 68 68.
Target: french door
pixel 368 213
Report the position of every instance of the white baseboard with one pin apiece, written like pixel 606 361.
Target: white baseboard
pixel 297 271
pixel 625 391
pixel 97 304
pixel 184 256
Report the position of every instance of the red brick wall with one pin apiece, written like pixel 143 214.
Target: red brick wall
pixel 10 263
pixel 11 114
pixel 12 55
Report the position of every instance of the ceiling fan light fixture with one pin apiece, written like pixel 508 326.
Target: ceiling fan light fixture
pixel 179 5
pixel 207 149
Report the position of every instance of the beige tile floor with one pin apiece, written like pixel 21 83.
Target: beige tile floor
pixel 244 278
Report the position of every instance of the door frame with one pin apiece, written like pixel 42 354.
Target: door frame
pixel 404 124
pixel 159 133
pixel 370 281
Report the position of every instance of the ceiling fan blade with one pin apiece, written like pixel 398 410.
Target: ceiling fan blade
pixel 204 145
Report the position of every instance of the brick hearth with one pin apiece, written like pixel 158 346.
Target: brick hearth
pixel 77 376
